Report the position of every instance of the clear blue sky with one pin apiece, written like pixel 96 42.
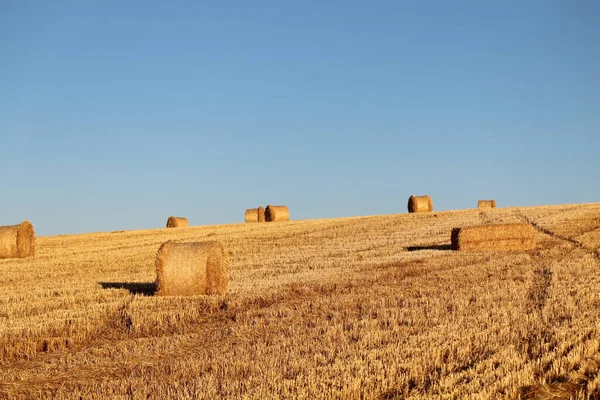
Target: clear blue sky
pixel 116 114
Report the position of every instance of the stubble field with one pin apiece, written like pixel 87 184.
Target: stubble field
pixel 349 308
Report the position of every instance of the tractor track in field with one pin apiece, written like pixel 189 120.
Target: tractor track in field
pixel 576 243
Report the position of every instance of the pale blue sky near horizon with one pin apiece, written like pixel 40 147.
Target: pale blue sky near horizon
pixel 115 115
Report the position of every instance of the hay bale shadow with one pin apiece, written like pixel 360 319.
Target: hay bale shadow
pixel 431 247
pixel 143 288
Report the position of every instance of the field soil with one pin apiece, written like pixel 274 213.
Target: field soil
pixel 375 307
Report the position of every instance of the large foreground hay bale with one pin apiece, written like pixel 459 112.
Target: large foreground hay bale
pixel 251 215
pixel 177 222
pixel 486 204
pixel 420 204
pixel 502 237
pixel 17 241
pixel 191 268
pixel 277 213
pixel 261 214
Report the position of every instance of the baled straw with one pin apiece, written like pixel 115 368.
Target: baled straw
pixel 277 213
pixel 418 204
pixel 501 237
pixel 17 241
pixel 194 268
pixel 486 204
pixel 261 214
pixel 251 215
pixel 177 222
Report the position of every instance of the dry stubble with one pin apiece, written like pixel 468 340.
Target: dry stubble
pixel 316 309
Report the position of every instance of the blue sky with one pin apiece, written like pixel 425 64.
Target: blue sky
pixel 116 114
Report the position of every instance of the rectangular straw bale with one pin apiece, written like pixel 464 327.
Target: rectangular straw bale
pixel 486 204
pixel 194 268
pixel 501 237
pixel 17 241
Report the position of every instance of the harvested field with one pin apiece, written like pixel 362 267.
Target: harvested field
pixel 365 307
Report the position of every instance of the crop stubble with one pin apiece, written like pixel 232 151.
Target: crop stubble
pixel 328 308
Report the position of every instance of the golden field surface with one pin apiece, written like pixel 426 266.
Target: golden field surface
pixel 351 308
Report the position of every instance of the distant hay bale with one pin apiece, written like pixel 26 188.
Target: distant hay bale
pixel 177 222
pixel 486 204
pixel 502 237
pixel 418 204
pixel 17 241
pixel 251 215
pixel 277 213
pixel 255 215
pixel 194 268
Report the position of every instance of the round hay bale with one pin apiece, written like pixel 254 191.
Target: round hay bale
pixel 261 214
pixel 177 222
pixel 194 268
pixel 251 215
pixel 418 204
pixel 277 213
pixel 17 241
pixel 486 204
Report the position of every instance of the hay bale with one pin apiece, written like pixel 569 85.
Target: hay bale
pixel 486 204
pixel 177 222
pixel 502 237
pixel 255 215
pixel 418 204
pixel 191 268
pixel 17 241
pixel 251 215
pixel 277 213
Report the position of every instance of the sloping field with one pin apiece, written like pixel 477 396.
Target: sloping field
pixel 367 307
